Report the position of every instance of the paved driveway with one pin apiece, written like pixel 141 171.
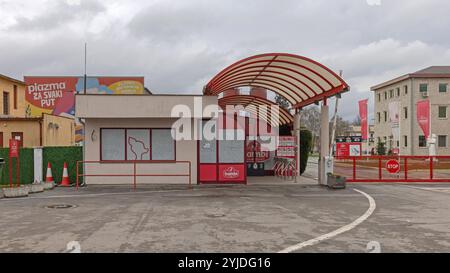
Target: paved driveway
pixel 257 218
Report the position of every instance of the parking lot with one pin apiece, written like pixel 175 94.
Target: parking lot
pixel 254 218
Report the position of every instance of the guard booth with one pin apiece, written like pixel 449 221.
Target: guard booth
pixel 298 80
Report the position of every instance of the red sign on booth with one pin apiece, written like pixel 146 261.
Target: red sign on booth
pixel 393 166
pixel 255 153
pixel 13 148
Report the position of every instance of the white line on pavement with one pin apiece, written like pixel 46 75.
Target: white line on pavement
pixel 362 218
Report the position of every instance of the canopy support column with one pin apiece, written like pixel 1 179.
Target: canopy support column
pixel 324 141
pixel 297 126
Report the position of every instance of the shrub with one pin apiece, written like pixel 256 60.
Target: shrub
pixel 26 167
pixel 305 148
pixel 57 156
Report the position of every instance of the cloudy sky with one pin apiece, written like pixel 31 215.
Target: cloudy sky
pixel 179 45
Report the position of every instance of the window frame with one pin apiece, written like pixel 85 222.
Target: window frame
pixel 425 140
pixel 126 145
pixel 446 87
pixel 439 112
pixel 423 85
pixel 446 141
pixel 7 103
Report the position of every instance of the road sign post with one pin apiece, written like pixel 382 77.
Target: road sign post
pixel 14 153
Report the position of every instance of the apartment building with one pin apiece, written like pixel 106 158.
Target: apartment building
pixel 395 111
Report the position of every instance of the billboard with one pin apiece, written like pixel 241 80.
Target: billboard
pixel 56 95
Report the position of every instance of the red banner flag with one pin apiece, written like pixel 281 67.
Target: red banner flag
pixel 423 116
pixel 363 117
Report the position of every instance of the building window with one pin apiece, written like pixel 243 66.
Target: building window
pixel 442 112
pixel 385 116
pixel 406 89
pixel 423 87
pixel 137 144
pixel 405 112
pixel 163 145
pixel 391 94
pixel 443 88
pixel 405 141
pixel 398 92
pixel 422 141
pixel 442 141
pixel 385 95
pixel 379 117
pixel 15 97
pixel 379 96
pixel 5 103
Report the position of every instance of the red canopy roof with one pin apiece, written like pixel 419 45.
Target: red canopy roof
pixel 300 80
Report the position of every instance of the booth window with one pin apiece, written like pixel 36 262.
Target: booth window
pixel 163 145
pixel 137 144
pixel 113 144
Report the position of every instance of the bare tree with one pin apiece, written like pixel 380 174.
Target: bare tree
pixel 357 121
pixel 310 119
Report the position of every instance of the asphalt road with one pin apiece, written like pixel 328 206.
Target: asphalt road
pixel 257 218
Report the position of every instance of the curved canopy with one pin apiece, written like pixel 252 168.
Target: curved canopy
pixel 300 80
pixel 259 108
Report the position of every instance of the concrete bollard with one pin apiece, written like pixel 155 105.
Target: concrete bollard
pixel 16 192
pixel 49 186
pixel 35 188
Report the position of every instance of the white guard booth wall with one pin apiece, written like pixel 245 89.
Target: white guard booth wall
pixel 124 128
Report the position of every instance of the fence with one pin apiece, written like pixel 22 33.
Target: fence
pixel 394 168
pixel 134 174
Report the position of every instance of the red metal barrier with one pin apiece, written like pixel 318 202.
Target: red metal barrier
pixel 408 168
pixel 134 174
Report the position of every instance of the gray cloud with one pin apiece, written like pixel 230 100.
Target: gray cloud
pixel 179 45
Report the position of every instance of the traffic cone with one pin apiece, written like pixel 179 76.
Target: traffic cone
pixel 65 178
pixel 49 177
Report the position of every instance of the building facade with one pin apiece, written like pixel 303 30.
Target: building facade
pixel 367 145
pixel 396 124
pixel 43 130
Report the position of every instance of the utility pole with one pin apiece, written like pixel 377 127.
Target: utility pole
pixel 333 131
pixel 85 67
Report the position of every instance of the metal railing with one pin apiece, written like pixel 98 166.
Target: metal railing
pixel 393 168
pixel 285 168
pixel 135 173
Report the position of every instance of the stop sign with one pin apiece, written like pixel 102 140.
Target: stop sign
pixel 393 166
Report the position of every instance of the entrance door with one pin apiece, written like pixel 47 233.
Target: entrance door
pixel 220 161
pixel 18 136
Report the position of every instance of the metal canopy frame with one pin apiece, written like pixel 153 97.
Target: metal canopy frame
pixel 300 80
pixel 259 108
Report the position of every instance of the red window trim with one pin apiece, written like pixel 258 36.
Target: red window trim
pixel 151 147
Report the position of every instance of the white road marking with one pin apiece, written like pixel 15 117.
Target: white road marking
pixel 362 218
pixel 434 189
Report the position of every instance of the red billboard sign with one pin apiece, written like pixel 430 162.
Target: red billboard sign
pixel 348 149
pixel 56 95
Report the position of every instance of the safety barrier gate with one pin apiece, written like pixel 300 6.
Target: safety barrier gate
pixel 393 168
pixel 135 174
pixel 285 168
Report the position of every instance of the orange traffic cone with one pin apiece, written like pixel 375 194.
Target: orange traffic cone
pixel 49 177
pixel 65 178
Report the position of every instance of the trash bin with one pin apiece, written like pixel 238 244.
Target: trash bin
pixel 336 181
pixel 2 165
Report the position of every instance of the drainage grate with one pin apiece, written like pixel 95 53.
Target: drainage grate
pixel 61 206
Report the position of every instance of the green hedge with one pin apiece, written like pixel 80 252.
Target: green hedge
pixel 26 166
pixel 305 148
pixel 57 156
